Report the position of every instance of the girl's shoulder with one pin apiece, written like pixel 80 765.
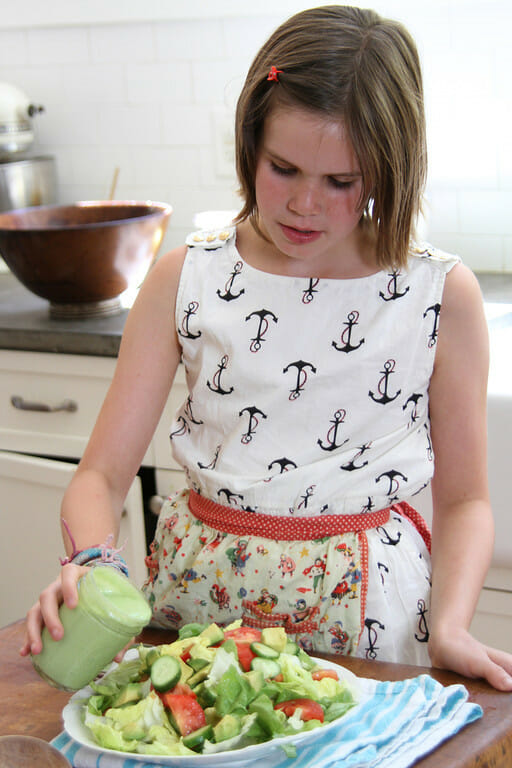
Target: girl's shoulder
pixel 425 252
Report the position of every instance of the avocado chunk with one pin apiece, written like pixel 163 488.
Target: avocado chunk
pixel 130 694
pixel 227 727
pixel 275 637
pixel 212 635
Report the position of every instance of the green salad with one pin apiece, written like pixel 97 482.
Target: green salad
pixel 213 690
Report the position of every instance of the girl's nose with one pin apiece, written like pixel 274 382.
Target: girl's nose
pixel 304 199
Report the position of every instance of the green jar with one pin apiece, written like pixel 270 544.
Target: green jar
pixel 110 611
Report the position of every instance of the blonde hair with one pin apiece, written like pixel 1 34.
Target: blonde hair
pixel 352 65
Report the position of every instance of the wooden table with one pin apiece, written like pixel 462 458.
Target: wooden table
pixel 30 706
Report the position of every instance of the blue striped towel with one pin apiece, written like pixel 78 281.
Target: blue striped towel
pixel 394 724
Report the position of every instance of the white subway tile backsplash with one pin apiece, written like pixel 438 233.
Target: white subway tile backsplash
pixel 95 84
pixel 441 210
pixel 67 45
pixel 68 125
pixel 123 42
pixel 485 212
pixel 13 49
pixel 129 124
pixel 190 39
pixel 176 167
pixel 186 125
pixel 165 83
pixel 478 252
pixel 217 82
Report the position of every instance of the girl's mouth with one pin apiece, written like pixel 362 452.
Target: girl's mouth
pixel 300 236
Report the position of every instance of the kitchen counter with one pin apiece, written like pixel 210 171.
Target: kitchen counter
pixel 25 324
pixel 33 708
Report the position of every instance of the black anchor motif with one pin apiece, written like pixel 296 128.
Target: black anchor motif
pixel 339 418
pixel 229 495
pixel 302 377
pixel 185 331
pixel 371 650
pixel 351 465
pixel 308 294
pixel 183 429
pixel 392 289
pixel 352 320
pixel 387 538
pixel 422 622
pixel 188 410
pixel 368 506
pixel 382 568
pixel 436 309
pixel 306 497
pixel 228 295
pixel 414 398
pixel 389 367
pixel 216 386
pixel 284 464
pixel 394 484
pixel 263 325
pixel 253 422
pixel 213 462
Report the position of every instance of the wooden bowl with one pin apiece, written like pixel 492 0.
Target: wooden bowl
pixel 85 252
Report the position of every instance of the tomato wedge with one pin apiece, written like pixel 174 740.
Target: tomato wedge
pixel 319 674
pixel 187 713
pixel 243 637
pixel 310 710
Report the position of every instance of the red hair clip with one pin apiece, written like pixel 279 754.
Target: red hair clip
pixel 273 74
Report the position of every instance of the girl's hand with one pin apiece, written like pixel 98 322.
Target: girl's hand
pixel 46 611
pixel 459 652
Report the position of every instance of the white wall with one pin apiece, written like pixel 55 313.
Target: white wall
pixel 150 88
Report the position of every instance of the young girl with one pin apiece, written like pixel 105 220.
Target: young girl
pixel 327 386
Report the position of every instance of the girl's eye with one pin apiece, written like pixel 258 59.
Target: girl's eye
pixel 337 184
pixel 281 169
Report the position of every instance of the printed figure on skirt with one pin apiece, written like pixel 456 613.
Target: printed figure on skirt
pixel 335 367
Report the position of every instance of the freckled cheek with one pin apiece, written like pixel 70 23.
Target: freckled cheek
pixel 346 208
pixel 269 190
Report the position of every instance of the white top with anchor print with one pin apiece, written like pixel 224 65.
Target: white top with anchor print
pixel 306 396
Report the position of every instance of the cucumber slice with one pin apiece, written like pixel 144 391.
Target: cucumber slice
pixel 291 647
pixel 196 739
pixel 165 673
pixel 268 667
pixel 264 651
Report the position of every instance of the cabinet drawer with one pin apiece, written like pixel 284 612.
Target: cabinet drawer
pixel 54 381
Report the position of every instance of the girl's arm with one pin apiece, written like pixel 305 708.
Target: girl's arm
pixel 92 505
pixel 462 529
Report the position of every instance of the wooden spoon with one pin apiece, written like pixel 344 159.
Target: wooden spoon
pixel 28 751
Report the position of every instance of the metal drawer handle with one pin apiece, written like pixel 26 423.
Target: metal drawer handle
pixel 26 405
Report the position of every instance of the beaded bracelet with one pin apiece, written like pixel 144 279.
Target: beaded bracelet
pixel 105 554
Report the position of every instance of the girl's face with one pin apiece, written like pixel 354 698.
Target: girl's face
pixel 308 186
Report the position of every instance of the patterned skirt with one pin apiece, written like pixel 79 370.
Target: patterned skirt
pixel 348 584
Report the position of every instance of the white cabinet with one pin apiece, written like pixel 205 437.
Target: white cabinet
pixel 48 407
pixel 32 489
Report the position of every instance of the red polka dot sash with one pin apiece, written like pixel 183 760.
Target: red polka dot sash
pixel 243 523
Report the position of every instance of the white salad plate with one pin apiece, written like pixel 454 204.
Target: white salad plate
pixel 74 726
